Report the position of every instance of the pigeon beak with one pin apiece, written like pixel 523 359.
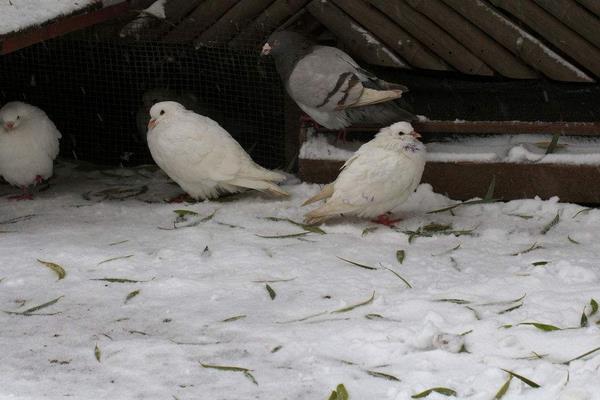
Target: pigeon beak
pixel 416 135
pixel 266 50
pixel 9 125
pixel 152 124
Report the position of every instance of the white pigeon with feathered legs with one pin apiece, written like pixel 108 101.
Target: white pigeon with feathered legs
pixel 29 143
pixel 380 176
pixel 202 157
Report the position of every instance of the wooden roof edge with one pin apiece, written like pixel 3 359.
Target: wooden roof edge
pixel 555 32
pixel 80 19
pixel 352 34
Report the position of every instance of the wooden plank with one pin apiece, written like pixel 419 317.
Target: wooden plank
pixel 554 32
pixel 61 27
pixel 357 39
pixel 230 24
pixel 276 14
pixel 575 17
pixel 519 42
pixel 479 43
pixel 466 180
pixel 199 20
pixel 592 5
pixel 432 36
pixel 575 128
pixel 392 35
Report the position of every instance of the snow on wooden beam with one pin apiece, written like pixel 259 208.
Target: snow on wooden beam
pixel 554 31
pixel 357 39
pixel 575 17
pixel 575 128
pixel 231 23
pixel 62 26
pixel 206 14
pixel 478 42
pixel 276 14
pixel 518 41
pixel 392 35
pixel 432 36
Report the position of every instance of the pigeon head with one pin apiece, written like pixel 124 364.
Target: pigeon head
pixel 285 42
pixel 163 111
pixel 402 135
pixel 15 113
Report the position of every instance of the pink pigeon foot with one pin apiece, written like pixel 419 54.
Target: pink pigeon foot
pixel 38 179
pixel 23 196
pixel 306 120
pixel 384 219
pixel 341 135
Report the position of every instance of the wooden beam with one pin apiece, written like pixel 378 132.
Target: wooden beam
pixel 466 180
pixel 232 22
pixel 477 41
pixel 575 17
pixel 199 20
pixel 519 42
pixel 392 35
pixel 357 39
pixel 592 5
pixel 277 13
pixel 432 36
pixel 499 127
pixel 554 31
pixel 61 26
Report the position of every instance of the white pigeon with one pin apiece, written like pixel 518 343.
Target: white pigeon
pixel 201 156
pixel 377 178
pixel 28 145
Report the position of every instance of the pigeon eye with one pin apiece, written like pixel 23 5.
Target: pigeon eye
pixel 18 117
pixel 162 112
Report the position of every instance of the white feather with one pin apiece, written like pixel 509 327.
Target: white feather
pixel 28 150
pixel 201 156
pixel 379 177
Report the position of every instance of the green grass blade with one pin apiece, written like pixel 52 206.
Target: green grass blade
pixel 400 255
pixel 553 143
pixel 293 235
pixel 382 375
pixel 117 280
pixel 551 224
pixel 542 327
pixel 526 381
pixel 357 264
pixel 352 307
pixel 97 353
pixel 231 319
pixel 440 390
pixel 503 389
pixel 36 308
pixel 271 292
pixel 225 368
pixel 398 275
pixel 582 211
pixel 594 306
pixel 572 240
pixel 60 271
pixel 131 295
pixel 114 259
pixel 583 355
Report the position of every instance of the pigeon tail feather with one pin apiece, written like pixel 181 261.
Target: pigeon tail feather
pixel 262 186
pixel 325 193
pixel 371 96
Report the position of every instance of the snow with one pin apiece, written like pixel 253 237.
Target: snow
pixel 21 14
pixel 574 150
pixel 208 271
pixel 157 9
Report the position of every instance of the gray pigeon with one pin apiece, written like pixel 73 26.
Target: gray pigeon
pixel 329 86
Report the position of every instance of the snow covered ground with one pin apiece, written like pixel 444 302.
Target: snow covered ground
pixel 22 14
pixel 480 278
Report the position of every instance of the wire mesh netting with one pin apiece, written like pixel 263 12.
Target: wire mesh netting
pixel 98 94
